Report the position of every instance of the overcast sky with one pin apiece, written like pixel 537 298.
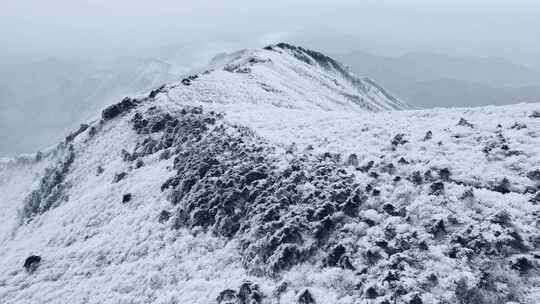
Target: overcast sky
pixel 79 28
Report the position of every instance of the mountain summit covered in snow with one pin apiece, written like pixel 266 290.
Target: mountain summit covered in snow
pixel 276 176
pixel 286 76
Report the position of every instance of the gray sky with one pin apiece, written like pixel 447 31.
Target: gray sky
pixel 79 28
pixel 51 50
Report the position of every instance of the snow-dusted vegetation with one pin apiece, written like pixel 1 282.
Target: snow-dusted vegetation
pixel 276 176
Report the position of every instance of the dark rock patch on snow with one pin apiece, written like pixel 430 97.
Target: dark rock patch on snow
pixel 52 186
pixel 117 109
pixel 32 263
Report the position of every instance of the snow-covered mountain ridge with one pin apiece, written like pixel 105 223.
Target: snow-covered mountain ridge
pixel 284 76
pixel 213 190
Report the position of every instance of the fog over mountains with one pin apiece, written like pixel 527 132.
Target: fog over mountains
pixel 435 80
pixel 40 100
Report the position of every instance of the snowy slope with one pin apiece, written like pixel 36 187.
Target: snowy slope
pixel 285 76
pixel 213 190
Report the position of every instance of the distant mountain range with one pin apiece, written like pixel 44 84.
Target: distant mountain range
pixel 434 80
pixel 40 100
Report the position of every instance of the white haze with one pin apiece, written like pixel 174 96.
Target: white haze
pixel 78 28
pixel 62 60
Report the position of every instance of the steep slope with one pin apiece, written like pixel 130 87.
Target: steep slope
pixel 207 192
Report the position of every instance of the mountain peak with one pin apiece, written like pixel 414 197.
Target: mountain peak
pixel 289 76
pixel 309 56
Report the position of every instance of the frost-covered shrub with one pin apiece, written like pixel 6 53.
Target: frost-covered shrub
pixel 51 190
pixel 247 293
pixel 312 209
pixel 74 134
pixel 117 109
pixel 227 182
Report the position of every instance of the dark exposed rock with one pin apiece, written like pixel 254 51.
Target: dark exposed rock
pixel 227 296
pixel 117 109
pixel 501 242
pixel 389 168
pixel 518 126
pixel 306 298
pixel 280 289
pixel 139 123
pixel 389 209
pixel 367 166
pixel 32 263
pixel 438 229
pixel 372 257
pixel 187 81
pixel 352 160
pixel 126 156
pixel 503 186
pixel 120 176
pixel 403 161
pixel 523 265
pixel 428 136
pixel 350 207
pixel 466 295
pixel 324 211
pixel 155 92
pixel 286 256
pixel 436 188
pixel 52 186
pixel 464 123
pixel 535 114
pixel 139 163
pixel 92 132
pixel 335 255
pixel 416 178
pixel 164 216
pixel 534 175
pixel 391 276
pixel 161 123
pixel 255 175
pixel 166 154
pixel 345 263
pixel 416 299
pixel 444 174
pixel 468 194
pixel 433 279
pixel 502 218
pixel 39 156
pixel 536 198
pixel 99 170
pixel 249 293
pixel 428 176
pixel 76 133
pixel 126 198
pixel 399 139
pixel 371 293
